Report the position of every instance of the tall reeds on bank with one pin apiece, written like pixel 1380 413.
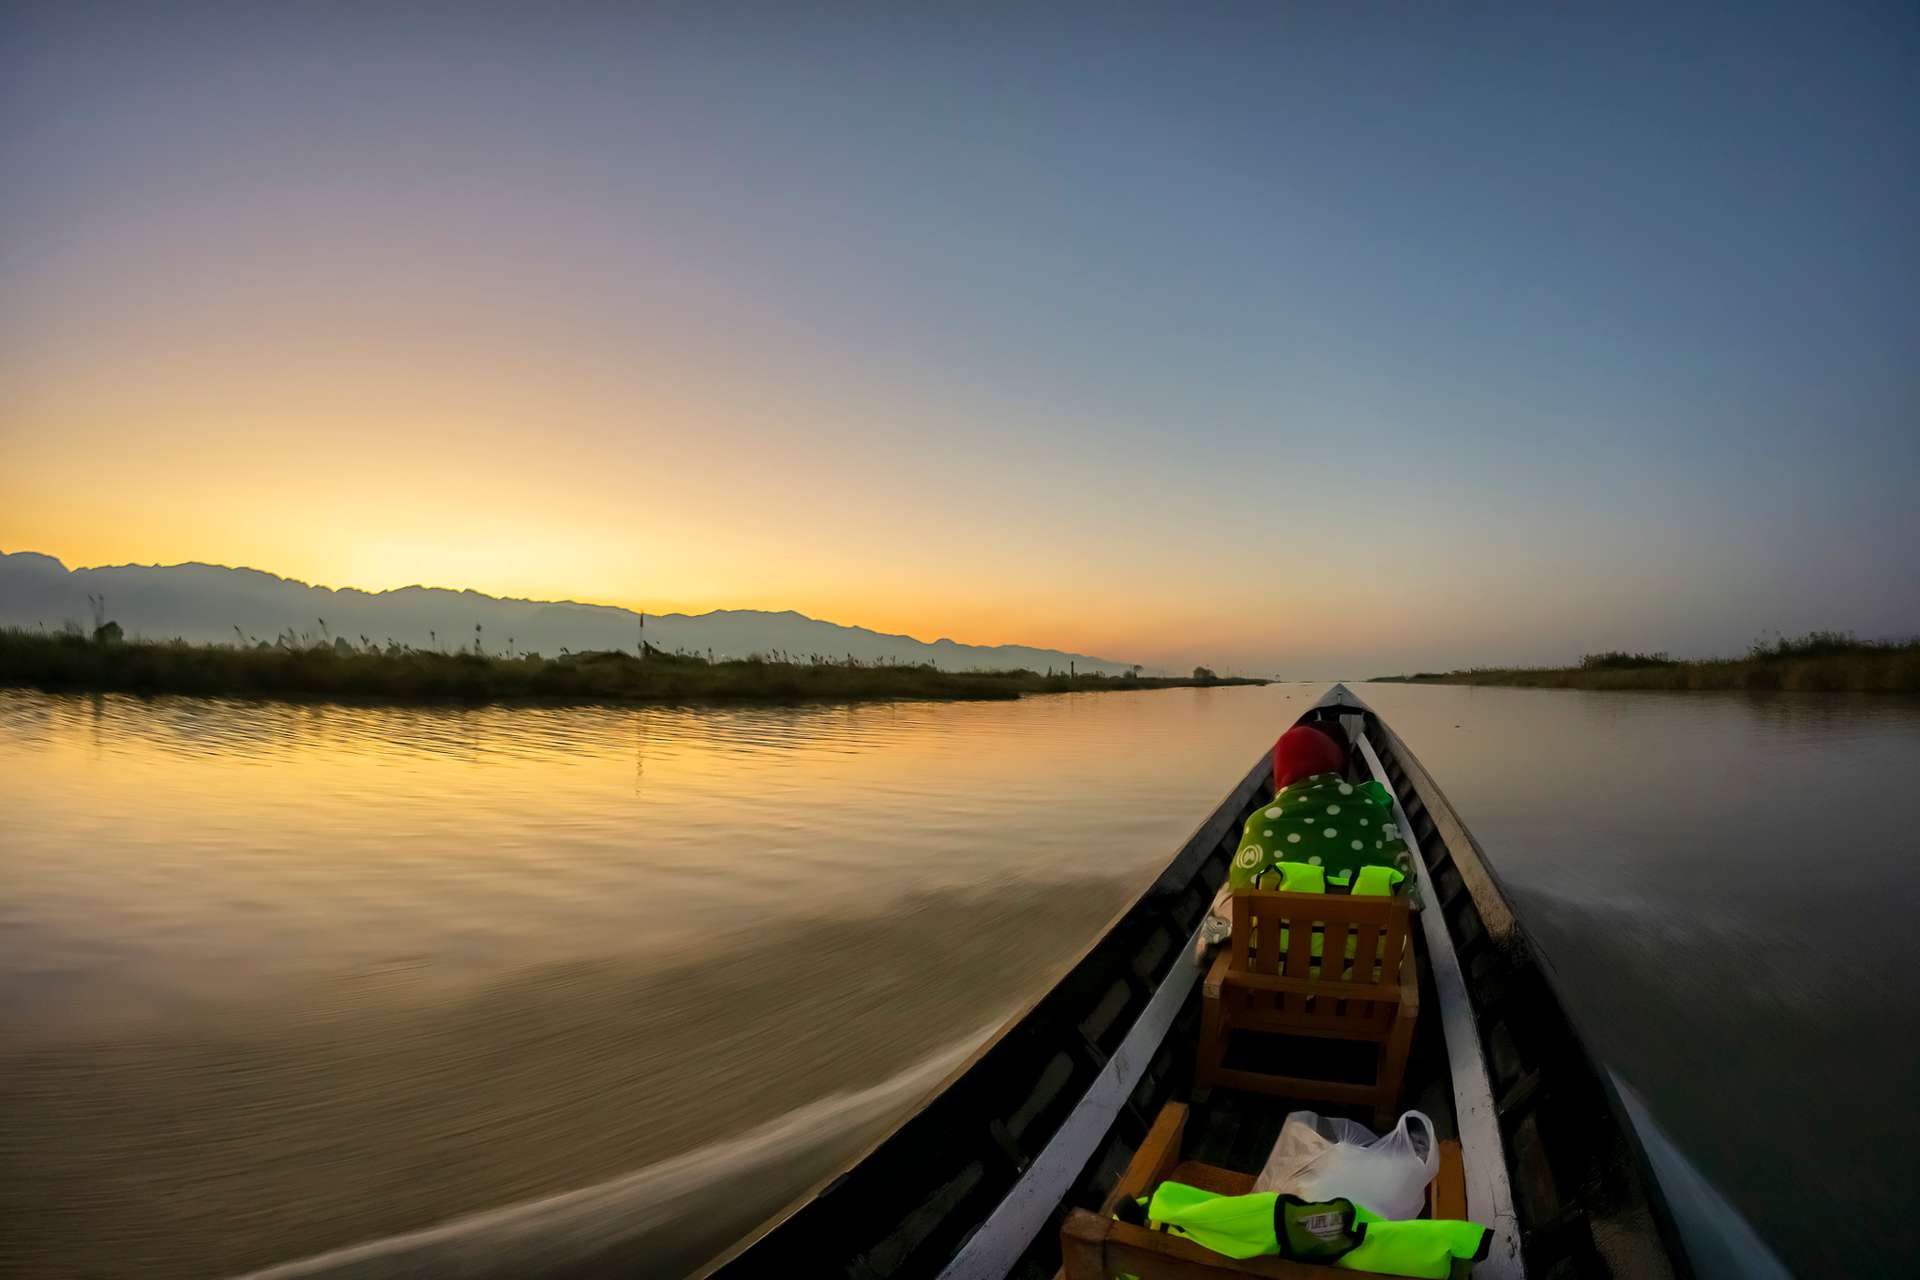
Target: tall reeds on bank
pixel 329 666
pixel 1818 662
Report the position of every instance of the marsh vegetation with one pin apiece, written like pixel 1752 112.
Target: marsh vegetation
pixel 320 664
pixel 1820 661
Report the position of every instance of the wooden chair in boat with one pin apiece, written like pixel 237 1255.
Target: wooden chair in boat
pixel 1097 1247
pixel 1362 986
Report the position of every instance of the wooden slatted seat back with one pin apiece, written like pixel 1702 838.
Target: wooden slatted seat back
pixel 1364 985
pixel 1274 935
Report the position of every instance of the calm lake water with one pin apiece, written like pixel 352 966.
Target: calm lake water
pixel 278 979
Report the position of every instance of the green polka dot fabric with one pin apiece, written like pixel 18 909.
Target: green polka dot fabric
pixel 1324 821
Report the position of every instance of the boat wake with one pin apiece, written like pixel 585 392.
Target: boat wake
pixel 1719 1241
pixel 663 1220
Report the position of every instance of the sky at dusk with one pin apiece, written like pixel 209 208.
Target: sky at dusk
pixel 1321 339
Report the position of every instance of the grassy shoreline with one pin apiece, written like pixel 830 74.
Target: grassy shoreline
pixel 73 663
pixel 1820 662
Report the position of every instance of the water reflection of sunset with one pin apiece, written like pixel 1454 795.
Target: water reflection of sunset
pixel 237 838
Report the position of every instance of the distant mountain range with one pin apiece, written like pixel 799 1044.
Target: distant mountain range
pixel 205 603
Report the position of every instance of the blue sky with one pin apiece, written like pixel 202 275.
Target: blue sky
pixel 1287 337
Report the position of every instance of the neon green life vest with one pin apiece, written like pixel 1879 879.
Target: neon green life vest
pixel 1422 1247
pixel 1250 1226
pixel 1271 1224
pixel 1377 882
pixel 1298 877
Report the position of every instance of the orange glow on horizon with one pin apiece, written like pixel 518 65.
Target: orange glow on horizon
pixel 1122 618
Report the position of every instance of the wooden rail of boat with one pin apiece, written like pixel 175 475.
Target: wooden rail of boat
pixel 1045 1116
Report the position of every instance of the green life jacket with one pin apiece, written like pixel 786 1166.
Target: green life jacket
pixel 1305 877
pixel 1265 1223
pixel 1298 877
pixel 1377 882
pixel 1272 1224
pixel 1415 1246
pixel 1301 877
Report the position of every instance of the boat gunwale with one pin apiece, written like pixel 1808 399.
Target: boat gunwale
pixel 1476 1120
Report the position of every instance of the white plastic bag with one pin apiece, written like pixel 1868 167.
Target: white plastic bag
pixel 1326 1158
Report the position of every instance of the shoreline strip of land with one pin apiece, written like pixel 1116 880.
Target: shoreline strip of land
pixel 1819 662
pixel 105 663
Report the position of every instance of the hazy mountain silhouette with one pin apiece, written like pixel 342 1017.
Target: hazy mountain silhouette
pixel 204 603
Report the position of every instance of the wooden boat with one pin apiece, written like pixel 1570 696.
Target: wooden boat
pixel 1560 1161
